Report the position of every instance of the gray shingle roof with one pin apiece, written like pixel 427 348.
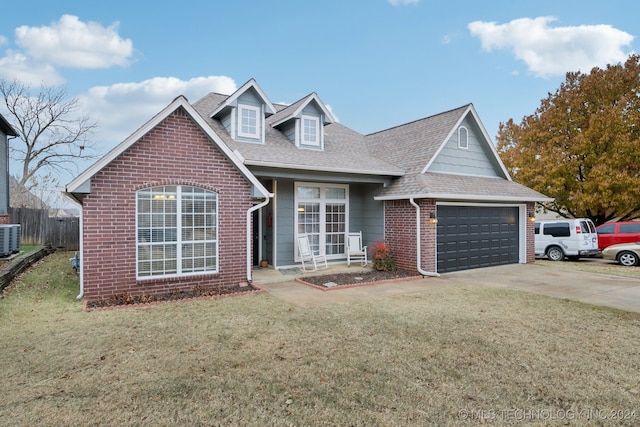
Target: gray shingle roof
pixel 402 151
pixel 413 144
pixel 458 187
pixel 345 150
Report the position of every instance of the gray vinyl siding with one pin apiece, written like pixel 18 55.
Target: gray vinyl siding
pixel 366 214
pixel 475 160
pixel 285 223
pixel 226 121
pixel 4 174
pixel 289 129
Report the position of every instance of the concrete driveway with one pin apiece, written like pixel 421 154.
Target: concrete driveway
pixel 591 288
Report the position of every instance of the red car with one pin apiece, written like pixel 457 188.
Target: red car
pixel 613 233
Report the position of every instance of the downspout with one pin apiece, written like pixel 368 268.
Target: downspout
pixel 418 233
pixel 249 220
pixel 81 270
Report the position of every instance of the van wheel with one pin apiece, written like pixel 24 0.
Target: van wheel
pixel 554 253
pixel 628 259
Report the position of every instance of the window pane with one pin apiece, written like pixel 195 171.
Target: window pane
pixel 335 193
pixel 309 192
pixel 629 228
pixel 248 121
pixel 310 130
pixel 335 228
pixel 159 231
pixel 463 138
pixel 606 229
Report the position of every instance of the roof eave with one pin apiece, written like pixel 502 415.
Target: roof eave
pixel 465 197
pixel 322 168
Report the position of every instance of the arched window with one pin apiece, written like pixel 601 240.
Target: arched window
pixel 463 137
pixel 177 231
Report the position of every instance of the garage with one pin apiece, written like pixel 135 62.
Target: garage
pixel 476 236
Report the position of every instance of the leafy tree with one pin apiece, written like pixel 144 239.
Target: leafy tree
pixel 582 145
pixel 52 136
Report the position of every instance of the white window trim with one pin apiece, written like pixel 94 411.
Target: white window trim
pixel 316 120
pixel 323 203
pixel 258 131
pixel 464 146
pixel 179 240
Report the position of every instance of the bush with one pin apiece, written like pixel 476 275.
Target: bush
pixel 381 256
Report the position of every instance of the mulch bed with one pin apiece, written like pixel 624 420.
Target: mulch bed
pixel 125 300
pixel 348 280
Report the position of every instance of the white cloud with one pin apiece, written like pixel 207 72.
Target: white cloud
pixel 122 108
pixel 332 113
pixel 32 73
pixel 3 40
pixel 73 43
pixel 551 51
pixel 402 2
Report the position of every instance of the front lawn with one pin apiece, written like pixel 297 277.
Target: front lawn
pixel 462 355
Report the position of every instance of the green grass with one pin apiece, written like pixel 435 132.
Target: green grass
pixel 255 360
pixel 25 249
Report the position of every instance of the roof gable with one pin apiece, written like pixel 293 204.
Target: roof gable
pixel 295 110
pixel 81 184
pixel 478 157
pixel 232 100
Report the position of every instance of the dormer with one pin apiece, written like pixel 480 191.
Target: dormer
pixel 303 122
pixel 243 113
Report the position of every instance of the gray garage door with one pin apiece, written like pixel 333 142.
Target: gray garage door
pixel 476 236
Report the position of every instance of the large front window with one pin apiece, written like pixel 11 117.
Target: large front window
pixel 177 231
pixel 322 214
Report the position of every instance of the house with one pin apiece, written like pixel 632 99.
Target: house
pixel 6 130
pixel 202 192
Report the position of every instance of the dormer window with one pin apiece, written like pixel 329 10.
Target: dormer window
pixel 310 130
pixel 463 138
pixel 249 126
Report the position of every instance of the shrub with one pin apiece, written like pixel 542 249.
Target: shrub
pixel 381 256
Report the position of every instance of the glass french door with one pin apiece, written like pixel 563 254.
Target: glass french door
pixel 322 214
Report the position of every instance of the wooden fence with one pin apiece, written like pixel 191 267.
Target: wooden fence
pixel 38 229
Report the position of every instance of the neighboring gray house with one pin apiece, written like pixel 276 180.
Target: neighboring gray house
pixel 6 130
pixel 203 189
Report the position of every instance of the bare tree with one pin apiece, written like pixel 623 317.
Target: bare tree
pixel 53 135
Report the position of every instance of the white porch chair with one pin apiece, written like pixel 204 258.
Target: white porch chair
pixel 355 250
pixel 307 254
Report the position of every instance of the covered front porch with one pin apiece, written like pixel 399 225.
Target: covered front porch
pixel 323 207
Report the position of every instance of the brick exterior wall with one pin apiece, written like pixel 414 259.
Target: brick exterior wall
pixel 400 233
pixel 176 152
pixel 531 244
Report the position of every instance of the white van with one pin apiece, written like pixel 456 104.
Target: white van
pixel 571 238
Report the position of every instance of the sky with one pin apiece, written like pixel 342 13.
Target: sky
pixel 375 63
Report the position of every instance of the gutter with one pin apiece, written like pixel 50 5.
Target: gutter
pixel 249 212
pixel 418 232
